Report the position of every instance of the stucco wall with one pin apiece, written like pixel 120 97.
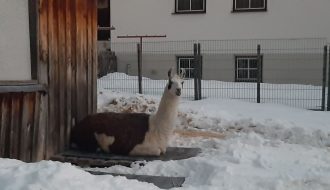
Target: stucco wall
pixel 284 19
pixel 15 61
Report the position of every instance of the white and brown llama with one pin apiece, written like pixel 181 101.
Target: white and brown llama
pixel 132 133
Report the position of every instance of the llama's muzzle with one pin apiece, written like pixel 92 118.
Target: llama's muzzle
pixel 178 92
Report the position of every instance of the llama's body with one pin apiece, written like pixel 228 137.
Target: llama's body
pixel 132 133
pixel 128 130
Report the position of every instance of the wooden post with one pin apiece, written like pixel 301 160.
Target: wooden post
pixel 195 72
pixel 199 69
pixel 139 52
pixel 328 106
pixel 324 77
pixel 259 73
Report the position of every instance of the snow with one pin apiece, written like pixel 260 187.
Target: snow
pixel 265 146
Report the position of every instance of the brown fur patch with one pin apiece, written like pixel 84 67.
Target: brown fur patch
pixel 128 129
pixel 202 134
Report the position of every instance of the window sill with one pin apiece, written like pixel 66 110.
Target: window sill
pixel 21 86
pixel 249 10
pixel 189 12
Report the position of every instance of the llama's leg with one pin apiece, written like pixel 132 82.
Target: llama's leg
pixel 145 151
pixel 104 141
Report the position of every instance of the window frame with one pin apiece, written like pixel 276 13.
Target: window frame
pixel 177 11
pixel 191 57
pixel 264 9
pixel 33 27
pixel 249 57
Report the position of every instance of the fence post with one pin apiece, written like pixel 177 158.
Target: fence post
pixel 324 77
pixel 328 105
pixel 139 51
pixel 258 73
pixel 199 70
pixel 195 72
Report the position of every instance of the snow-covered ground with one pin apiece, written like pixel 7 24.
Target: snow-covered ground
pixel 259 146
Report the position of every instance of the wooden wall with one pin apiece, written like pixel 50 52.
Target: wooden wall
pixel 67 65
pixel 35 122
pixel 21 136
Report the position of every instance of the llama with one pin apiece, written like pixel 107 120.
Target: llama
pixel 132 133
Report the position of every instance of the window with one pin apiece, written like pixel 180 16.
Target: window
pixel 190 6
pixel 103 20
pixel 249 5
pixel 246 68
pixel 186 63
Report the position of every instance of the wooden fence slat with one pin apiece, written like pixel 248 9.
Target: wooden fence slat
pixel 1 126
pixel 42 130
pixel 37 136
pixel 51 137
pixel 26 127
pixel 81 59
pixel 55 124
pixel 5 123
pixel 16 120
pixel 89 41
pixel 69 59
pixel 62 88
pixel 94 55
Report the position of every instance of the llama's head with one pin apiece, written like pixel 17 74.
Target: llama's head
pixel 175 83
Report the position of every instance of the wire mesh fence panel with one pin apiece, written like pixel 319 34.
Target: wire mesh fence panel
pixel 293 73
pixel 125 79
pixel 229 69
pixel 291 69
pixel 157 59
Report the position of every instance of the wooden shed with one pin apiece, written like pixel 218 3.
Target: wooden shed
pixel 37 113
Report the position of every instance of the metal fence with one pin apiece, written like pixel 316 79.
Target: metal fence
pixel 293 72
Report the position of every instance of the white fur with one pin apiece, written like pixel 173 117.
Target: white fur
pixel 104 141
pixel 161 124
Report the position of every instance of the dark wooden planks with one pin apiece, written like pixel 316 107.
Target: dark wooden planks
pixel 105 160
pixel 18 115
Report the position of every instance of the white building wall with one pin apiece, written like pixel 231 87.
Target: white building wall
pixel 283 19
pixel 15 61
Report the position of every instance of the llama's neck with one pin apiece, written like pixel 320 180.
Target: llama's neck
pixel 167 112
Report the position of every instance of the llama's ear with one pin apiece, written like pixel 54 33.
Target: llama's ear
pixel 169 73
